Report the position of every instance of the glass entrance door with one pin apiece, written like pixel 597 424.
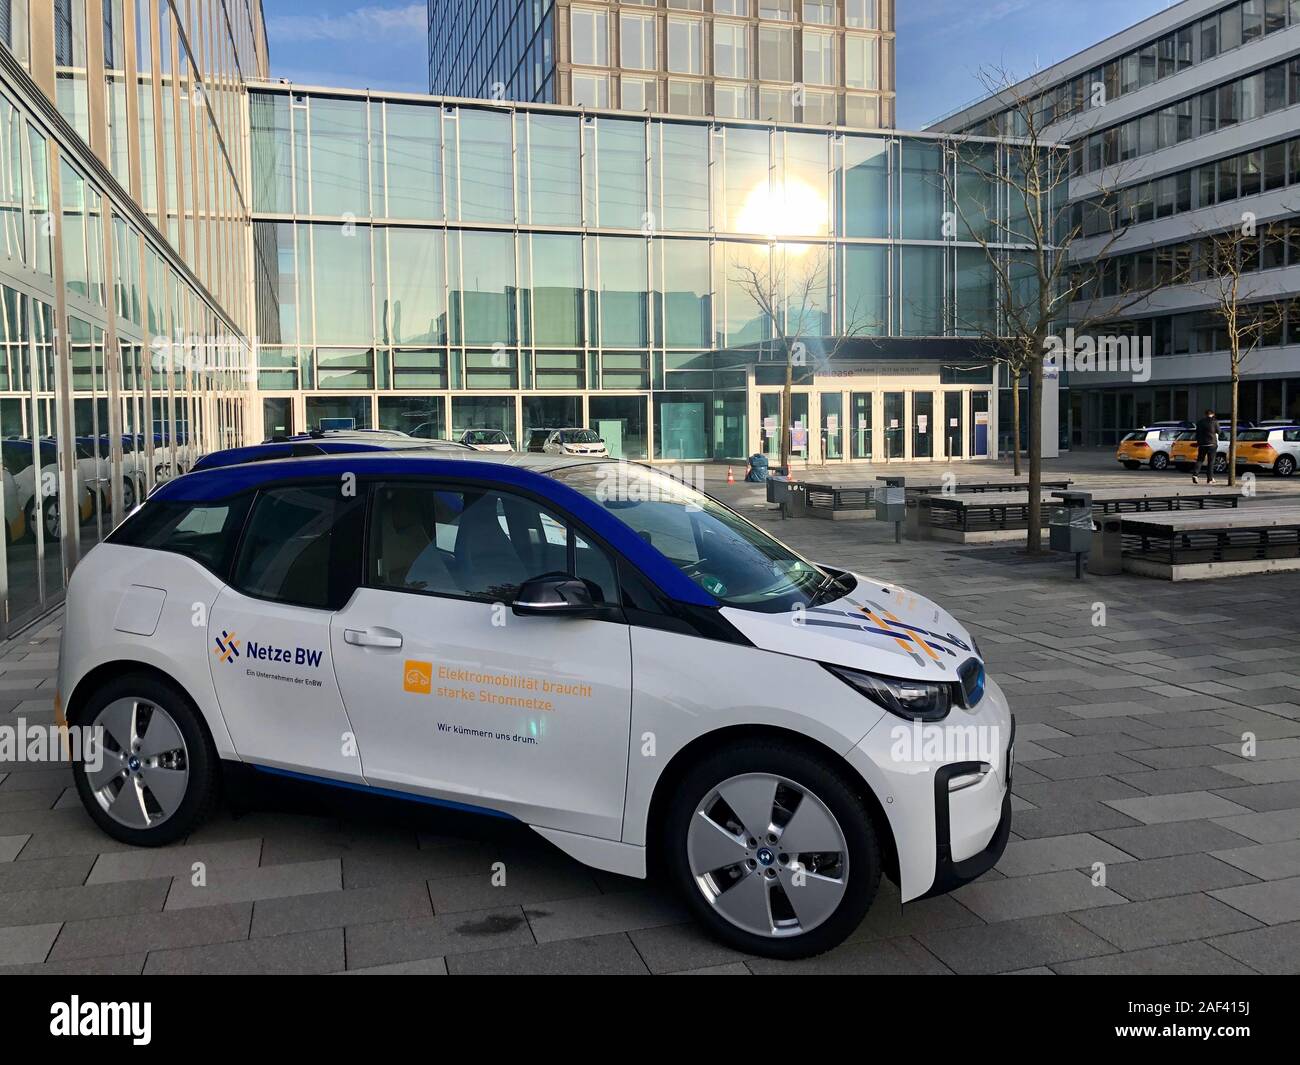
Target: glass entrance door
pixel 770 417
pixel 895 426
pixel 952 425
pixel 922 425
pixel 860 426
pixel 980 428
pixel 832 404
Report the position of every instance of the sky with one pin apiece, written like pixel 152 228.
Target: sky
pixel 942 44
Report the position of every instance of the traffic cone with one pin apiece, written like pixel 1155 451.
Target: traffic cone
pixel 731 477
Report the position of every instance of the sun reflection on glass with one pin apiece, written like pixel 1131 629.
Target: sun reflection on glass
pixel 792 207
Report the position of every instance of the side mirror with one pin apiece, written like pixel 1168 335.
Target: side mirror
pixel 555 595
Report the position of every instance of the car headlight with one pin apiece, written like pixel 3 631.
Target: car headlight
pixel 912 700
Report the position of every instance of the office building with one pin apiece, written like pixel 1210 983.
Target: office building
pixel 821 62
pixel 123 274
pixel 1181 126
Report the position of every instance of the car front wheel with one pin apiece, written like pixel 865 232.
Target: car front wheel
pixel 773 849
pixel 152 776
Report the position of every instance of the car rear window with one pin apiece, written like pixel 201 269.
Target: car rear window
pixel 1253 436
pixel 205 532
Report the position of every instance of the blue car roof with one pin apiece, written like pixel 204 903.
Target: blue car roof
pixel 533 473
pixel 282 448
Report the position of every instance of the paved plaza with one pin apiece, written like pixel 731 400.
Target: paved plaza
pixel 1143 840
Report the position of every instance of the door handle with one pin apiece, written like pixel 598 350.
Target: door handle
pixel 366 638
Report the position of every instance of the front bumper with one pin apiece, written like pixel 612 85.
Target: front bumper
pixel 943 837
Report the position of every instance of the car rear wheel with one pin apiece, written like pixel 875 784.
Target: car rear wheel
pixel 1159 461
pixel 157 777
pixel 1284 466
pixel 1220 463
pixel 773 849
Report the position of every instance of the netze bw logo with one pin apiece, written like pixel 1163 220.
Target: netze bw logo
pixel 227 646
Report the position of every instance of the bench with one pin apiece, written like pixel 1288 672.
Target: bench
pixel 841 500
pixel 1019 484
pixel 991 517
pixel 1197 545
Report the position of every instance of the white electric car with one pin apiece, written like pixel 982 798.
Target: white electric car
pixel 587 646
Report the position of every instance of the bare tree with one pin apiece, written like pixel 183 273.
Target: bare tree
pixel 1027 239
pixel 1223 270
pixel 790 288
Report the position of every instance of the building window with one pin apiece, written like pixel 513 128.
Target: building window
pixel 590 90
pixel 861 111
pixel 637 42
pixel 819 12
pixel 861 14
pixel 639 94
pixel 731 7
pixel 590 35
pixel 860 62
pixel 731 101
pixel 687 5
pixel 775 54
pixel 685 45
pixel 776 9
pixel 730 50
pixel 685 97
pixel 819 108
pixel 776 105
pixel 818 58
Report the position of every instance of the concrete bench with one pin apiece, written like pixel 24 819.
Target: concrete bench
pixel 841 500
pixel 991 517
pixel 1019 484
pixel 1202 544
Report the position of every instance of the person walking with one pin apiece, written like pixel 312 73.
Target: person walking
pixel 1207 446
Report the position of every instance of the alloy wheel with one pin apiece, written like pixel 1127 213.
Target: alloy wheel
pixel 768 855
pixel 145 772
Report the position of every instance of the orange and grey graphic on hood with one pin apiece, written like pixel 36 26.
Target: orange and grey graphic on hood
pixel 924 645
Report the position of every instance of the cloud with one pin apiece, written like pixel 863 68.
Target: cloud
pixel 365 25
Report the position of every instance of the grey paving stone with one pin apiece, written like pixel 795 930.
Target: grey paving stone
pixel 736 968
pixel 43 873
pixel 144 863
pixel 336 909
pixel 1157 922
pixel 24 944
pixel 371 870
pixel 1090 765
pixel 303 952
pixel 31 799
pixel 1178 874
pixel 1268 861
pixel 115 965
pixel 1018 897
pixel 85 839
pixel 1180 757
pixel 679 947
pixel 1264 797
pixel 1172 837
pixel 386 942
pixel 1176 959
pixel 247 885
pixel 1272 902
pixel 1070 817
pixel 420 967
pixel 1274 951
pixel 1052 853
pixel 1072 792
pixel 1077 746
pixel 1013 945
pixel 525 883
pixel 42 905
pixel 885 957
pixel 140 933
pixel 1275 771
pixel 1271 827
pixel 10 846
pixel 608 955
pixel 888 919
pixel 1184 806
pixel 571 918
pixel 1178 781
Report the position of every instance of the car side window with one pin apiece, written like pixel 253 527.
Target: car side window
pixel 204 532
pixel 1291 436
pixel 480 543
pixel 302 546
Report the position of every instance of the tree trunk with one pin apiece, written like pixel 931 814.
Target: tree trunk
pixel 1015 424
pixel 1035 545
pixel 1232 429
pixel 787 411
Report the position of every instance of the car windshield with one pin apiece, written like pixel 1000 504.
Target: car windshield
pixel 1252 436
pixel 579 436
pixel 731 559
pixel 486 436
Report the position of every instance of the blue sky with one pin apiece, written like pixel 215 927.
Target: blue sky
pixel 942 44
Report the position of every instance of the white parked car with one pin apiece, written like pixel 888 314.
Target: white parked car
pixel 486 440
pixel 669 683
pixel 1272 448
pixel 574 442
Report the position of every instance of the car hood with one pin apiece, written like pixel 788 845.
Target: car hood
pixel 881 628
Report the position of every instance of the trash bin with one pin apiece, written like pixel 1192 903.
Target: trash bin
pixel 1070 526
pixel 891 501
pixel 1106 556
pixel 790 494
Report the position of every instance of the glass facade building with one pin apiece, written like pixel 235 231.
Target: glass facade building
pixel 820 62
pixel 124 293
pixel 435 266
